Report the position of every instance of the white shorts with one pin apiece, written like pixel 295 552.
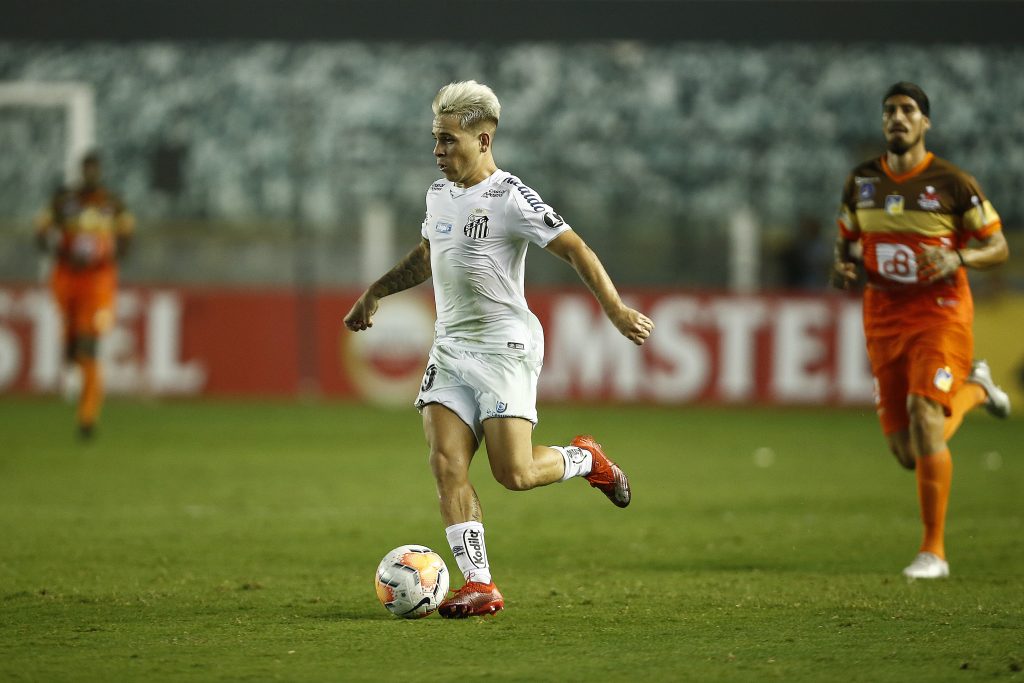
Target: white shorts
pixel 477 386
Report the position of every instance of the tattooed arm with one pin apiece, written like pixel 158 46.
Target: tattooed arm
pixel 409 272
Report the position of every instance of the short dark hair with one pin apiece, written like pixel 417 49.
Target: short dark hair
pixel 911 90
pixel 91 157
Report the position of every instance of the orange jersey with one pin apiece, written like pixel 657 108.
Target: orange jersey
pixel 89 222
pixel 895 217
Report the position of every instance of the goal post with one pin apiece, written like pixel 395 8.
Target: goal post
pixel 78 100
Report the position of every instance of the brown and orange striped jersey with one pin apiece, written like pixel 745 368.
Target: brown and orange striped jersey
pixel 88 223
pixel 895 216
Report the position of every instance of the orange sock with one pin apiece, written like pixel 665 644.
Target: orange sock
pixel 934 478
pixel 92 392
pixel 969 396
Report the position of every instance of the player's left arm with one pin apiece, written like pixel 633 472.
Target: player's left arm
pixel 571 248
pixel 982 224
pixel 992 250
pixel 938 262
pixel 124 227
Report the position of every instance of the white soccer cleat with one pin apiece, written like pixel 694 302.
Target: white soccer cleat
pixel 927 566
pixel 998 402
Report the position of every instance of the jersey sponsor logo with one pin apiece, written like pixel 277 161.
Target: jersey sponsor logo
pixel 495 192
pixel 865 189
pixel 443 227
pixel 943 379
pixel 896 262
pixel 437 186
pixel 894 205
pixel 517 346
pixel 500 407
pixel 529 195
pixel 553 220
pixel 476 227
pixel 929 199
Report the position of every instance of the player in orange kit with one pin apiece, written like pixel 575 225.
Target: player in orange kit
pixel 914 216
pixel 88 229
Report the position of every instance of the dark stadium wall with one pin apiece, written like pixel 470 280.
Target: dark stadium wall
pixel 487 22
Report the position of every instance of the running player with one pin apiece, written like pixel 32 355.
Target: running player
pixel 88 228
pixel 914 216
pixel 480 382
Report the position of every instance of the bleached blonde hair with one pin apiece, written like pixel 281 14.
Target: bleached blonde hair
pixel 470 101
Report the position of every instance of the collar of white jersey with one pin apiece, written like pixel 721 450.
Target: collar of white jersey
pixel 458 189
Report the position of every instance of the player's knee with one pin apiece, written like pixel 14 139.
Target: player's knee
pixel 513 479
pixel 900 448
pixel 924 413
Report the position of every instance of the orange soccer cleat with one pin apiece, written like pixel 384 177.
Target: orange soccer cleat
pixel 474 599
pixel 605 475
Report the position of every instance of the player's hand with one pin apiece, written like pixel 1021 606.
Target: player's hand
pixel 844 274
pixel 361 315
pixel 936 263
pixel 634 325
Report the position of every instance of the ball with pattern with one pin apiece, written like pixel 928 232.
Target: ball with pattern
pixel 411 581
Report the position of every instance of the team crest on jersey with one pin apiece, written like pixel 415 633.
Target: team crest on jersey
pixel 929 199
pixel 501 407
pixel 894 205
pixel 943 379
pixel 865 189
pixel 476 227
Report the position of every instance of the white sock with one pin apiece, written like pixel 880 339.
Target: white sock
pixel 578 461
pixel 467 543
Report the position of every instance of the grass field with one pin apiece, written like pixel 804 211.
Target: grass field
pixel 237 542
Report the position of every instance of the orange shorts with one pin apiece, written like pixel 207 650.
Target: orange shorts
pixel 932 362
pixel 85 298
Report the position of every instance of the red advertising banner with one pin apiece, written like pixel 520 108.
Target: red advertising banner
pixel 714 348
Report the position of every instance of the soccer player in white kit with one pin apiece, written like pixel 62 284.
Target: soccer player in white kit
pixel 480 383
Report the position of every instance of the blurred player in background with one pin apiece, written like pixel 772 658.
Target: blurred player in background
pixel 88 229
pixel 914 215
pixel 481 378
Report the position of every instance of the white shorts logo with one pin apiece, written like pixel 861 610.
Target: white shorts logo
pixel 896 262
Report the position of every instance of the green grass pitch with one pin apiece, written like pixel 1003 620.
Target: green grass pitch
pixel 237 541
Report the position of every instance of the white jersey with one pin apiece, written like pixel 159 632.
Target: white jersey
pixel 478 238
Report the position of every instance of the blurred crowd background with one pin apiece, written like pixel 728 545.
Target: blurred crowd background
pixel 263 161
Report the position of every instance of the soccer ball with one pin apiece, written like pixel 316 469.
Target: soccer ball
pixel 411 581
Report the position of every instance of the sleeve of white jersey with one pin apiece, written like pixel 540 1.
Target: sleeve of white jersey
pixel 531 218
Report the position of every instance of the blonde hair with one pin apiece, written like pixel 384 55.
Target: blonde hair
pixel 469 101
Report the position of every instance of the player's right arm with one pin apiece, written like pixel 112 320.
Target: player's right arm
pixel 844 263
pixel 407 273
